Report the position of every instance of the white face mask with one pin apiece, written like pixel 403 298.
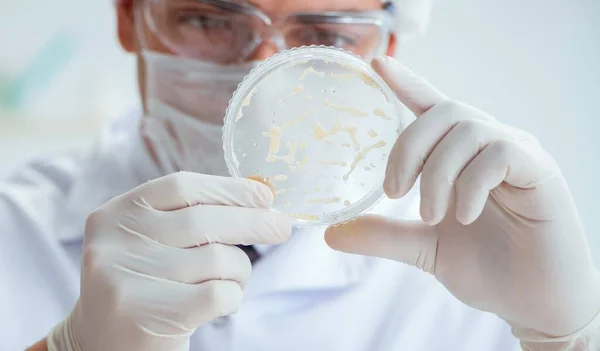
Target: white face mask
pixel 186 101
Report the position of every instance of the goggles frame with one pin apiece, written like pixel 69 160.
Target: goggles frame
pixel 382 19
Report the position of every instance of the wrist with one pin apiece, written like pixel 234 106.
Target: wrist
pixel 585 339
pixel 39 346
pixel 64 336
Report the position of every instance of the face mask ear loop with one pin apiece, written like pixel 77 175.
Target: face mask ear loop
pixel 185 155
pixel 157 136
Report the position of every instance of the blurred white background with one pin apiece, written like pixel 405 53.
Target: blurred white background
pixel 533 64
pixel 61 73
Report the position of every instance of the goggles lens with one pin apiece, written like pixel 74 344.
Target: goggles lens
pixel 362 39
pixel 225 32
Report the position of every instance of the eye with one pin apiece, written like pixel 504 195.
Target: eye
pixel 205 21
pixel 339 40
pixel 328 38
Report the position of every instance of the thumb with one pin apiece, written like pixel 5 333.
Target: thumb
pixel 413 91
pixel 410 242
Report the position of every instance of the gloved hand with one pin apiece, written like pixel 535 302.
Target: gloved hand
pixel 500 230
pixel 159 261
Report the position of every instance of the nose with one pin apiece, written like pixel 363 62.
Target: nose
pixel 265 50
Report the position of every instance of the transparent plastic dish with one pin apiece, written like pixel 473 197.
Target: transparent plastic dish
pixel 319 124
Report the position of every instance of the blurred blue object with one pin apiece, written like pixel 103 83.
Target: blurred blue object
pixel 39 73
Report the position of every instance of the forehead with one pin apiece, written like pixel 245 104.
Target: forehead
pixel 287 6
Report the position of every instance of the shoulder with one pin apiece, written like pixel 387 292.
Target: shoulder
pixel 52 172
pixel 31 197
pixel 43 208
pixel 34 265
pixel 53 195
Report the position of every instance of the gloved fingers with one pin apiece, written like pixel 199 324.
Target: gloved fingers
pixel 192 266
pixel 414 91
pixel 161 308
pixel 444 165
pixel 487 171
pixel 410 242
pixel 159 305
pixel 185 189
pixel 501 161
pixel 205 302
pixel 205 224
pixel 417 142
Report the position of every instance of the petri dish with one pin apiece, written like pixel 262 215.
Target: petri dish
pixel 319 123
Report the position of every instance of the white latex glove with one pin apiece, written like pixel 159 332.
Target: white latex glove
pixel 500 230
pixel 159 261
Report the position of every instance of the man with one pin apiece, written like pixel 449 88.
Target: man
pixel 165 263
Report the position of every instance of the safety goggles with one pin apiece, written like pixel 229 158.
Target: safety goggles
pixel 229 31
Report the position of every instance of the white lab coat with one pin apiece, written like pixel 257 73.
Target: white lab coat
pixel 302 295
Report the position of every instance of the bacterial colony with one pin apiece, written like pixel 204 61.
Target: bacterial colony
pixel 319 133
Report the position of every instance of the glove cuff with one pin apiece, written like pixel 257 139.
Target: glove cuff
pixel 585 339
pixel 64 337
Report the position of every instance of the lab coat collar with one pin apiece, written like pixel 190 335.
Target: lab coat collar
pixel 306 263
pixel 303 263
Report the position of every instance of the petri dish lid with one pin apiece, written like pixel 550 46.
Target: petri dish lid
pixel 319 123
